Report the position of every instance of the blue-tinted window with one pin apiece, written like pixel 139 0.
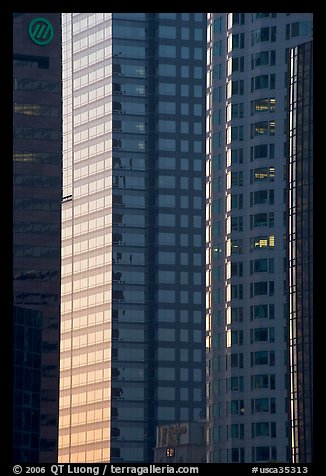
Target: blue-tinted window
pixel 198 34
pixel 166 239
pixel 297 29
pixel 165 31
pixel 184 52
pixel 260 405
pixel 262 453
pixel 167 69
pixel 185 33
pixel 185 71
pixel 184 145
pixel 184 90
pixel 261 429
pixel 184 183
pixel 184 108
pixel 167 89
pixel 131 16
pixel 197 128
pixel 123 31
pixel 217 48
pixel 165 257
pixel 198 91
pixel 166 126
pixel 198 53
pixel 197 146
pixel 166 107
pixel 259 288
pixel 218 24
pixel 198 72
pixel 167 163
pixel 259 59
pixel 260 35
pixel 167 51
pixel 166 181
pixel 261 82
pixel 130 51
pixel 166 200
pixel 167 16
pixel 198 109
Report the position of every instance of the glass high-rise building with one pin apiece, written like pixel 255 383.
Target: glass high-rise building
pixel 246 225
pixel 133 310
pixel 37 180
pixel 301 251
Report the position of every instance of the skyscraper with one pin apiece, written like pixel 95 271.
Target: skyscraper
pixel 301 250
pixel 37 170
pixel 133 307
pixel 246 217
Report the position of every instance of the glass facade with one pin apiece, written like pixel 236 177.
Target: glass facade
pixel 37 169
pixel 132 283
pixel 300 249
pixel 27 348
pixel 246 203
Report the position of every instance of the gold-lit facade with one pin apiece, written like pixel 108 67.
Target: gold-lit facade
pixel 86 248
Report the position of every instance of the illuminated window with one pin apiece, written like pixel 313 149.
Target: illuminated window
pixel 170 452
pixel 262 174
pixel 263 105
pixel 260 105
pixel 260 242
pixel 236 246
pixel 272 102
pixel 263 128
pixel 36 109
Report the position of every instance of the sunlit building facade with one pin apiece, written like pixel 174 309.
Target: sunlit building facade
pixel 301 251
pixel 246 226
pixel 37 183
pixel 132 332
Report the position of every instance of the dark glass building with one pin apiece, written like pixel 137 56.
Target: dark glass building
pixel 301 250
pixel 27 338
pixel 133 310
pixel 37 154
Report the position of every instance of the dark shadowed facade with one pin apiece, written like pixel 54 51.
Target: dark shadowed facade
pixel 37 153
pixel 301 251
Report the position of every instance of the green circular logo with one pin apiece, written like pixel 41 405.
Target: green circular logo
pixel 41 31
